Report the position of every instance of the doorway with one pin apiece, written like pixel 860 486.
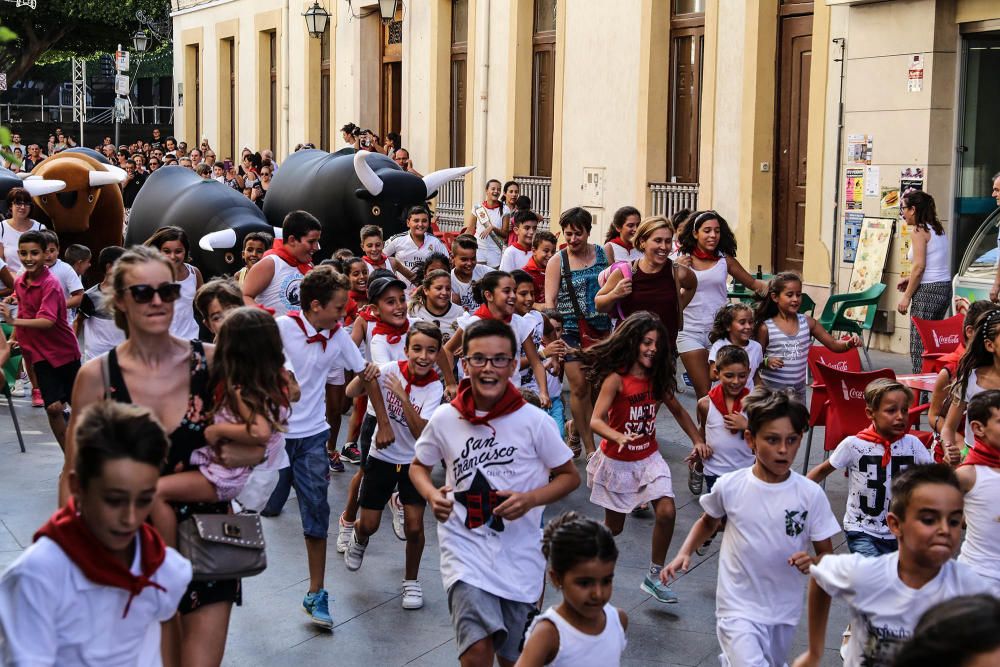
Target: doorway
pixel 391 79
pixel 791 136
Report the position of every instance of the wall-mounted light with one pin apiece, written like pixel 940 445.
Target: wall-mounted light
pixel 387 9
pixel 140 40
pixel 317 19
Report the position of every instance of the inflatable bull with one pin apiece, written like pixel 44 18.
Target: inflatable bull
pixel 347 190
pixel 215 217
pixel 35 185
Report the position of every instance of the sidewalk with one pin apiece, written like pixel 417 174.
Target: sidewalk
pixel 371 627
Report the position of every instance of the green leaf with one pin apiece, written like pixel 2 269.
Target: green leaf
pixel 4 136
pixel 6 34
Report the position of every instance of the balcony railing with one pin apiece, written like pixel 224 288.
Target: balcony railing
pixel 539 190
pixel 668 198
pixel 451 205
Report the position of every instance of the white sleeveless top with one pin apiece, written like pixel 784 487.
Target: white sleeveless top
pixel 936 265
pixel 578 649
pixel 621 254
pixel 9 237
pixel 971 389
pixel 982 533
pixel 184 325
pixel 282 293
pixel 729 450
pixel 708 298
pixel 489 252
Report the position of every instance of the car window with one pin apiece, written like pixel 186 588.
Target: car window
pixel 985 252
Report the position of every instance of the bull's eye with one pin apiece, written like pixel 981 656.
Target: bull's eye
pixel 229 257
pixel 45 200
pixel 376 210
pixel 90 199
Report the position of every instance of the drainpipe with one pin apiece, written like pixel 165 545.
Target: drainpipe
pixel 839 41
pixel 484 84
pixel 285 85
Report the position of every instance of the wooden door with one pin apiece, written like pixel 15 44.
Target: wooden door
pixel 391 94
pixel 791 142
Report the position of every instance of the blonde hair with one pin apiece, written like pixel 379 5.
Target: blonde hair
pixel 878 388
pixel 132 257
pixel 650 225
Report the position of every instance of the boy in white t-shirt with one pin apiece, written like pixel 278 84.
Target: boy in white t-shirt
pixel 874 457
pixel 773 515
pixel 887 595
pixel 466 271
pixel 372 246
pixel 68 278
pixel 413 247
pixel 524 306
pixel 411 392
pixel 503 462
pixel 518 253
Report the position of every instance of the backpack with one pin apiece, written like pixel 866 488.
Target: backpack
pixel 602 278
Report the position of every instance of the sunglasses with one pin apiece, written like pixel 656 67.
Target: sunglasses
pixel 169 292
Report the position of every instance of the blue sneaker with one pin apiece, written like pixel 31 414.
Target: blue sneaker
pixel 317 605
pixel 659 590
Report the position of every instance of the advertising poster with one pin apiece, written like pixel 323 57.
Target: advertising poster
pixel 889 202
pixel 852 233
pixel 872 180
pixel 859 148
pixel 854 188
pixel 915 75
pixel 911 178
pixel 869 262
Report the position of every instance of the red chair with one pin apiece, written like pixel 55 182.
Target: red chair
pixel 939 337
pixel 845 361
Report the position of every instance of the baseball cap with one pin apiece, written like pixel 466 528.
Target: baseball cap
pixel 378 287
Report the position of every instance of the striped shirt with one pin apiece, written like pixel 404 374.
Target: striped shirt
pixel 793 350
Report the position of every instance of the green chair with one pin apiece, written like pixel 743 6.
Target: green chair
pixel 808 306
pixel 833 318
pixel 739 291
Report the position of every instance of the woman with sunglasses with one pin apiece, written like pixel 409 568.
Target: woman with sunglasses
pixel 170 376
pixel 260 188
pixel 18 223
pixel 707 247
pixel 174 244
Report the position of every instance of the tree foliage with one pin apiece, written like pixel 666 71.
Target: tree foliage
pixel 58 29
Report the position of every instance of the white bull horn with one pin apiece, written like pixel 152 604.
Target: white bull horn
pixel 25 175
pixel 99 178
pixel 436 179
pixel 117 171
pixel 278 232
pixel 220 240
pixel 37 187
pixel 372 182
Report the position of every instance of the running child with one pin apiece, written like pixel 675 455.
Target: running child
pixel 251 409
pixel 543 246
pixel 503 464
pixel 585 628
pixel 466 271
pixel 95 324
pixel 887 595
pixel 79 258
pixel 356 271
pixel 634 369
pixel 274 281
pixel 873 458
pixel 255 244
pixel 432 303
pixel 978 371
pixel 979 476
pixel 98 580
pixel 214 300
pixel 720 414
pixel 487 225
pixel 518 253
pixel 524 305
pixel 436 261
pixel 773 515
pixel 785 336
pixel 733 325
pixel 411 392
pixel 619 244
pixel 69 279
pixel 173 243
pixel 413 247
pixel 555 350
pixel 372 246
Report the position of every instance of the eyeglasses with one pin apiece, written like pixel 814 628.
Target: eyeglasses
pixel 479 361
pixel 21 203
pixel 169 292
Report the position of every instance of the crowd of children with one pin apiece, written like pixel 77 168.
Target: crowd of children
pixel 447 355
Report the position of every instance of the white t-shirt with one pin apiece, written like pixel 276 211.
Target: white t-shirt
pixel 464 290
pixel 523 330
pixel 70 282
pixel 884 610
pixel 532 321
pixel 869 487
pixel 489 250
pixel 518 457
pixel 514 258
pixel 382 352
pixel 767 523
pixel 9 237
pixel 51 614
pixel 406 251
pixel 447 323
pixel 730 451
pixel 311 363
pixel 425 399
pixel 753 349
pixel 100 333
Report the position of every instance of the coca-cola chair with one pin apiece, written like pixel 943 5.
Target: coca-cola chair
pixel 939 337
pixel 845 361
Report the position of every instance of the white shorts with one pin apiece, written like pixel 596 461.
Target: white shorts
pixel 748 644
pixel 336 376
pixel 689 341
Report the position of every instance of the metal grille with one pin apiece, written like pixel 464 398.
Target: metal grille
pixel 451 205
pixel 668 198
pixel 539 190
pixel 395 32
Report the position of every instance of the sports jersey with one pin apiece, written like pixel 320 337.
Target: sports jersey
pixel 447 323
pixel 408 253
pixel 633 412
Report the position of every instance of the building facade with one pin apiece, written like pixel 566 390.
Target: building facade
pixel 747 107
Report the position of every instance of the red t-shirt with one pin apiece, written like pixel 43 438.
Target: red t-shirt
pixel 633 411
pixel 44 299
pixel 537 274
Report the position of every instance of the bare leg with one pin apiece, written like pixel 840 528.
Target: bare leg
pixel 358 416
pixel 57 422
pixel 479 654
pixel 190 486
pixel 413 527
pixel 663 529
pixel 615 521
pixel 335 400
pixel 367 525
pixel 316 554
pixel 580 404
pixel 696 364
pixel 204 635
pixel 351 508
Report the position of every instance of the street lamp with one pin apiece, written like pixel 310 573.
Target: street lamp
pixel 317 19
pixel 387 8
pixel 140 40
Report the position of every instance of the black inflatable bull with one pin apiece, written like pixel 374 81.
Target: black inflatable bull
pixel 347 190
pixel 215 217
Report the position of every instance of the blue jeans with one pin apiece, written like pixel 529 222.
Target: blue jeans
pixel 557 413
pixel 309 473
pixel 869 545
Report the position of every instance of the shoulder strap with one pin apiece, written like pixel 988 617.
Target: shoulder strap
pixel 568 278
pixel 106 373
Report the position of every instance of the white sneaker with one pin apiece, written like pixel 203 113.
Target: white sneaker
pixel 344 531
pixel 355 553
pixel 398 516
pixel 21 388
pixel 413 594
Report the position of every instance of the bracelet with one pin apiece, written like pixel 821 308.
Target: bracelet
pixel 764 362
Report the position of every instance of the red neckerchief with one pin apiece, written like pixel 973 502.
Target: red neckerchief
pixel 365 313
pixel 704 254
pixel 360 296
pixel 393 334
pixel 266 309
pixel 625 244
pixel 718 398
pixel 484 313
pixel 499 204
pixel 871 435
pixel 287 258
pixel 317 337
pixel 350 311
pixel 465 403
pixel 531 266
pixel 68 529
pixel 982 454
pixel 517 244
pixel 378 265
pixel 415 380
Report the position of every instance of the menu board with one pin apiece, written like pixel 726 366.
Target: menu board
pixel 869 260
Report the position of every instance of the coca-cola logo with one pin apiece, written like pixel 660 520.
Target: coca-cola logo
pixel 948 339
pixel 851 393
pixel 839 365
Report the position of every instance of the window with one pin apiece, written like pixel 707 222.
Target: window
pixel 687 45
pixel 459 69
pixel 391 92
pixel 324 90
pixel 543 71
pixel 227 50
pixel 273 91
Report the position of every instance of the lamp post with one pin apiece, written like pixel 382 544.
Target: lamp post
pixel 317 19
pixel 140 40
pixel 387 9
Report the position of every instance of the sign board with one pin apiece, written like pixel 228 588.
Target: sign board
pixel 869 261
pixel 3 80
pixel 121 61
pixel 915 75
pixel 121 108
pixel 121 84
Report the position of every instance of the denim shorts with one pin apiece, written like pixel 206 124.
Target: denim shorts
pixel 310 466
pixel 869 545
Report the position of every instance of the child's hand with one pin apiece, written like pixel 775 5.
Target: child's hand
pixel 806 660
pixel 774 363
pixel 440 504
pixel 680 563
pixel 212 435
pixel 952 453
pixel 622 289
pixel 393 384
pixel 556 348
pixel 703 450
pixel 801 560
pixel 516 505
pixel 450 392
pixel 852 341
pixel 625 439
pixel 735 421
pixel 370 373
pixel 692 458
pixel 385 436
pixel 5 312
pixel 543 398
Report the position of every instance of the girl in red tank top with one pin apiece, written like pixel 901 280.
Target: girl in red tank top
pixel 635 370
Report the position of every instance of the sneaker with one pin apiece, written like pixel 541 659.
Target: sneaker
pixel 36 398
pixel 317 605
pixel 398 517
pixel 355 553
pixel 659 590
pixel 336 465
pixel 413 594
pixel 344 530
pixel 696 480
pixel 351 453
pixel 641 510
pixel 703 549
pixel 21 388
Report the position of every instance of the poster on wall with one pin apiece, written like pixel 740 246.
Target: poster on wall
pixel 911 178
pixel 854 188
pixel 859 148
pixel 852 233
pixel 915 74
pixel 889 202
pixel 869 262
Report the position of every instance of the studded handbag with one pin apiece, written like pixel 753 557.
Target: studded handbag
pixel 222 546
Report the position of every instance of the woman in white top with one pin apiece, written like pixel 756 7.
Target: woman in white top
pixel 707 246
pixel 486 223
pixel 927 290
pixel 619 246
pixel 173 243
pixel 18 223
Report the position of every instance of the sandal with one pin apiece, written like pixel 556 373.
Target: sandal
pixel 696 480
pixel 574 445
